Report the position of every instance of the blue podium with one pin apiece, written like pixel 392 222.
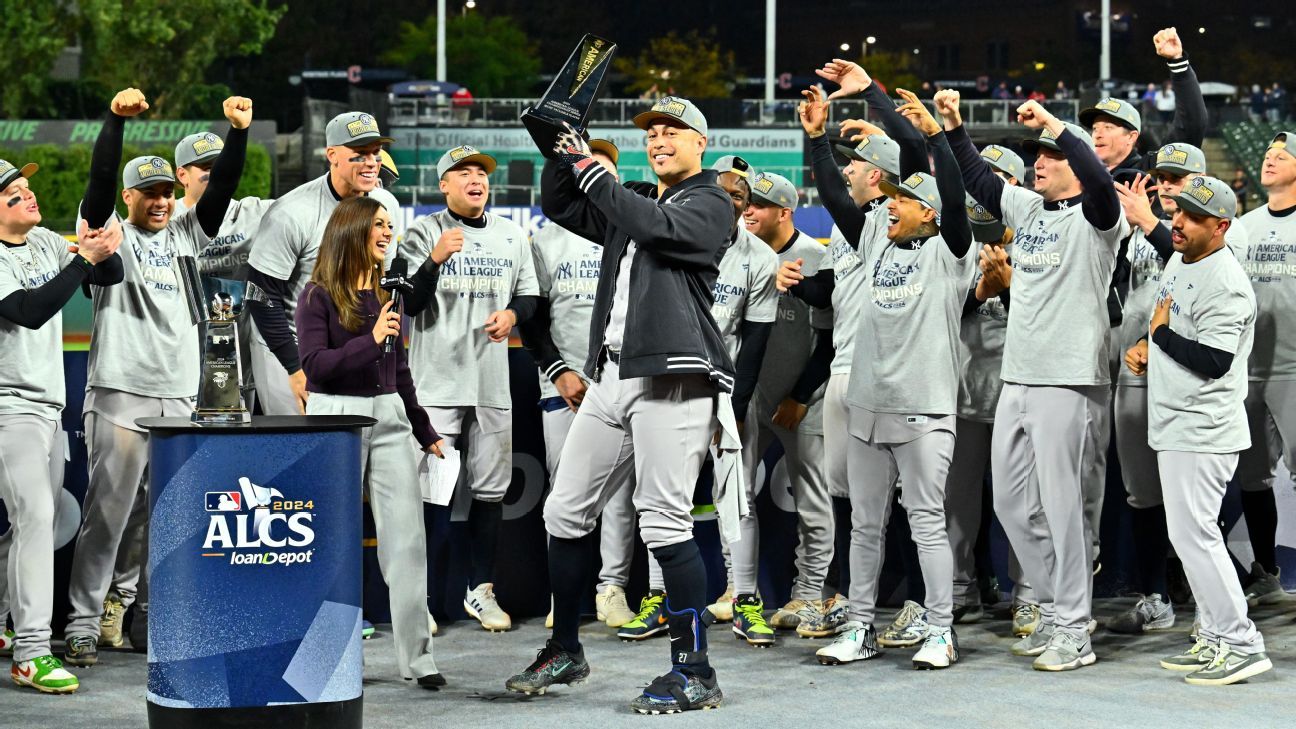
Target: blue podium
pixel 255 573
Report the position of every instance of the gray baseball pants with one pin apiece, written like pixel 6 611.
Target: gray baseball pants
pixel 31 477
pixel 1194 490
pixel 389 461
pixel 1039 454
pixel 657 428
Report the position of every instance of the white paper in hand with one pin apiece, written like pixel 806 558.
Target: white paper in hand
pixel 438 476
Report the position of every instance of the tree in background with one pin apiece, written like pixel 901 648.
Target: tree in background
pixel 30 33
pixel 491 56
pixel 693 65
pixel 165 48
pixel 893 69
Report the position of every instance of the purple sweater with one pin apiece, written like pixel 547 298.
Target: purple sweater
pixel 341 362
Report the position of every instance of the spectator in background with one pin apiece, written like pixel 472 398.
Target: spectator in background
pixel 1277 103
pixel 1165 103
pixel 1149 100
pixel 1017 92
pixel 1257 107
pixel 1062 93
pixel 1240 187
pixel 1001 91
pixel 927 91
pixel 461 102
pixel 1037 95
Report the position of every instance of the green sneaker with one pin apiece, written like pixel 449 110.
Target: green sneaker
pixel 1228 667
pixel 367 630
pixel 1195 658
pixel 81 650
pixel 749 621
pixel 45 674
pixel 7 639
pixel 110 623
pixel 650 621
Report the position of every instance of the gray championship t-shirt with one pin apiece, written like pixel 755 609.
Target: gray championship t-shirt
pixel 287 241
pixel 849 297
pixel 981 341
pixel 567 273
pixel 792 339
pixel 454 362
pixel 1145 281
pixel 1059 332
pixel 31 360
pixel 143 341
pixel 1214 305
pixel 226 255
pixel 1271 263
pixel 745 289
pixel 916 297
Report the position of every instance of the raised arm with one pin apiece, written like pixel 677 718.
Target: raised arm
pixel 1101 204
pixel 105 160
pixel 913 146
pixel 954 226
pixel 228 168
pixel 1190 107
pixel 564 203
pixel 979 178
pixel 828 176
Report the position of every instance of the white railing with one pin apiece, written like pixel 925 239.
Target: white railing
pixel 621 112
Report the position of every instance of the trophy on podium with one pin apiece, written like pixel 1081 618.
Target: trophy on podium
pixel 572 93
pixel 220 393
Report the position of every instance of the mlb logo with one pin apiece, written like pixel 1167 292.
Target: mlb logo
pixel 224 501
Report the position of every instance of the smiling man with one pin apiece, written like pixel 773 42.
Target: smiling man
pixel 481 284
pixel 135 323
pixel 284 252
pixel 1055 362
pixel 660 370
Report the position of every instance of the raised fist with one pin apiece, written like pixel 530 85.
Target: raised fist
pixel 238 110
pixel 1167 43
pixel 129 102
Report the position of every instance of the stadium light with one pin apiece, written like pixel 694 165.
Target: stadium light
pixel 845 47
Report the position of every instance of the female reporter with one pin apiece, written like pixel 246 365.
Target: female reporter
pixel 343 319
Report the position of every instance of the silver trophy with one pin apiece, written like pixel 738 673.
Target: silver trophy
pixel 220 393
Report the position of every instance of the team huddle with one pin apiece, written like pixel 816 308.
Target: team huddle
pixel 969 315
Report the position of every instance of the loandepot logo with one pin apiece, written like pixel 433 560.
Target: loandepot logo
pixel 256 525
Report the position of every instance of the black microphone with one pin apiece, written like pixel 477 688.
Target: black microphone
pixel 399 285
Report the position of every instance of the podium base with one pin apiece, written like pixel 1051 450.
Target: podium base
pixel 328 715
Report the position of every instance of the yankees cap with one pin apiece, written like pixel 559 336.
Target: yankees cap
pixel 1180 159
pixel 9 173
pixel 146 171
pixel 920 186
pixel 606 148
pixel 878 150
pixel 1005 160
pixel 1122 111
pixel 198 148
pixel 986 228
pixel 353 129
pixel 463 155
pixel 1046 139
pixel 735 164
pixel 673 108
pixel 1208 196
pixel 771 189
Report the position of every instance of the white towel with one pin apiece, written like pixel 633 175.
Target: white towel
pixel 728 492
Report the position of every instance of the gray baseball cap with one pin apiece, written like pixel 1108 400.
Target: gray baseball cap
pixel 878 150
pixel 673 108
pixel 462 155
pixel 1005 160
pixel 1122 111
pixel 735 164
pixel 1046 139
pixel 1208 196
pixel 9 173
pixel 1280 141
pixel 1180 159
pixel 771 189
pixel 986 228
pixel 147 171
pixel 353 129
pixel 919 186
pixel 198 148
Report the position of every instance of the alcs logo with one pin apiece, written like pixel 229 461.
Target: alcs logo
pixel 258 517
